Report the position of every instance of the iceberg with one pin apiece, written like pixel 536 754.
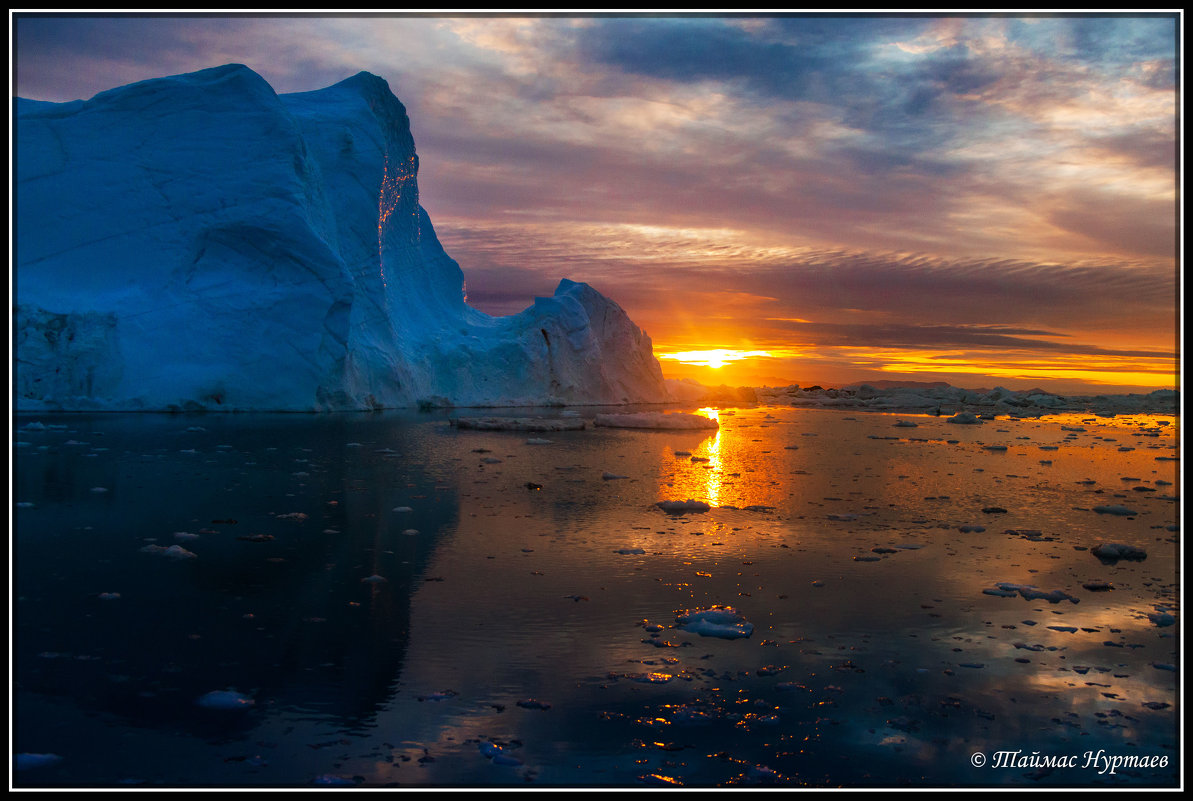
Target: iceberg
pixel 199 242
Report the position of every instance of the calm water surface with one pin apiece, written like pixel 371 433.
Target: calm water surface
pixel 399 602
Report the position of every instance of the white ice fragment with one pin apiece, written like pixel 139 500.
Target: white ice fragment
pixel 373 579
pixel 906 424
pixel 716 621
pixel 607 476
pixel 109 596
pixel 628 551
pixel 225 700
pixel 410 532
pixel 98 490
pixel 173 552
pixel 964 418
pixel 1113 551
pixel 403 509
pixel 1029 592
pixel 1114 509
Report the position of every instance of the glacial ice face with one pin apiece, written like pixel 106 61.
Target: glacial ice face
pixel 199 241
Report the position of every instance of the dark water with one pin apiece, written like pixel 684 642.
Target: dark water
pixel 513 635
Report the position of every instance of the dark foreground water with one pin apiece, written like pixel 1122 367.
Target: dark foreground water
pixel 380 600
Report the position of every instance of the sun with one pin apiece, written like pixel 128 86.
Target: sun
pixel 715 358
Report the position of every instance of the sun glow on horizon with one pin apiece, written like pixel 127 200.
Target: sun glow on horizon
pixel 715 358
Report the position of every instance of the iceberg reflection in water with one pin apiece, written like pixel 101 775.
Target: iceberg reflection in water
pixel 386 599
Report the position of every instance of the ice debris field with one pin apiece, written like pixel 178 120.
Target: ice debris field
pixel 795 597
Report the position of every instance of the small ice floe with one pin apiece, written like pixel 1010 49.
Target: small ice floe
pixel 716 621
pixel 1113 551
pixel 410 532
pixel 332 780
pixel 403 509
pixel 185 535
pixel 298 516
pixel 442 695
pixel 628 551
pixel 98 490
pixel 994 510
pixel 1164 666
pixel 607 476
pixel 225 700
pixel 971 529
pixel 1161 618
pixel 1072 428
pixel 844 516
pixel 1030 592
pixel 109 596
pixel 1097 585
pixel 867 558
pixel 538 441
pixel 679 507
pixel 34 426
pixel 24 504
pixel 665 421
pixel 373 579
pixel 964 418
pixel 31 761
pixel 533 703
pixel 906 424
pixel 1114 509
pixel 998 448
pixel 173 552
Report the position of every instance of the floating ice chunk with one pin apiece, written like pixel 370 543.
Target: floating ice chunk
pixel 225 700
pixel 403 509
pixel 533 703
pixel 31 761
pixel 845 516
pixel 607 476
pixel 373 579
pixel 537 441
pixel 679 507
pixel 716 621
pixel 1113 551
pixel 34 426
pixel 185 535
pixel 99 489
pixel 999 448
pixel 332 780
pixel 173 552
pixel 410 532
pixel 24 505
pixel 1030 592
pixel 681 421
pixel 906 424
pixel 109 596
pixel 1114 509
pixel 964 418
pixel 628 551
pixel 1162 619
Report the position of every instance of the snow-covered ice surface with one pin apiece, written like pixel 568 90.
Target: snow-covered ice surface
pixel 199 241
pixel 525 632
pixel 964 405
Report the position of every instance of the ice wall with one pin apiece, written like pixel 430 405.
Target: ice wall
pixel 199 241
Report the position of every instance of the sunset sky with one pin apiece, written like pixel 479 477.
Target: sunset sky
pixel 983 200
